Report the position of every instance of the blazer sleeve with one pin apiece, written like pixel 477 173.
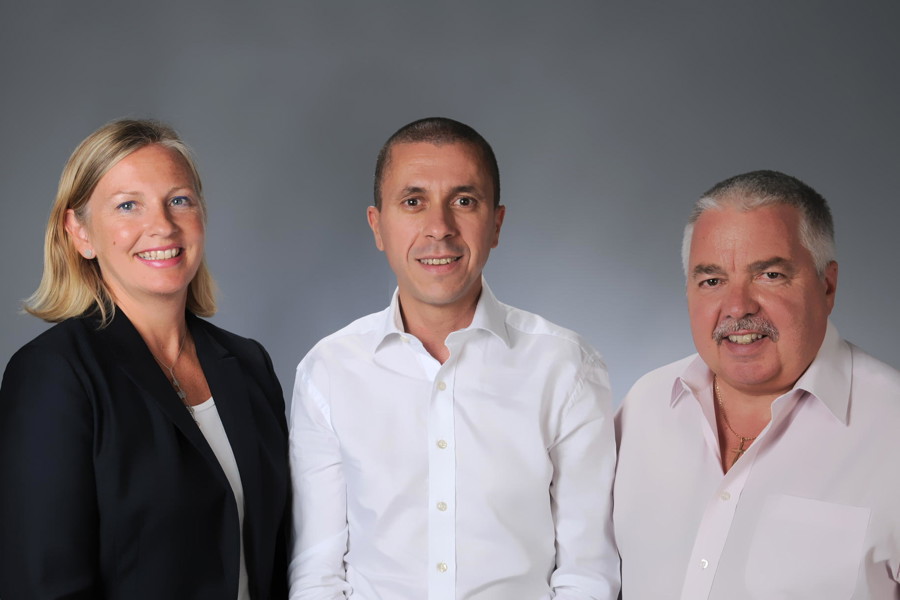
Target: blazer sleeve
pixel 48 505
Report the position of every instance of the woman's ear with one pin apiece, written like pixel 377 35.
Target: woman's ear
pixel 79 235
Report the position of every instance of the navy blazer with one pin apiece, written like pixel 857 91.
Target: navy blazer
pixel 108 489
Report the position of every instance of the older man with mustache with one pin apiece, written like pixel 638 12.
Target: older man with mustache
pixel 760 467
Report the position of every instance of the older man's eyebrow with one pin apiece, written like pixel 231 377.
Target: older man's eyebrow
pixel 780 262
pixel 707 269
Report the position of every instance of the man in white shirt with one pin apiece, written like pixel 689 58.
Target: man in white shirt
pixel 450 446
pixel 763 466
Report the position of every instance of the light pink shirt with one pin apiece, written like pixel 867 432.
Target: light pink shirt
pixel 812 510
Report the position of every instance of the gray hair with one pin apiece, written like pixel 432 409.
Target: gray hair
pixel 756 189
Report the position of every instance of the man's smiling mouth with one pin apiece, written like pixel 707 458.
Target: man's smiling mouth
pixel 439 261
pixel 747 338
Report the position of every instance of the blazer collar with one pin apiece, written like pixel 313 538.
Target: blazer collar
pixel 228 387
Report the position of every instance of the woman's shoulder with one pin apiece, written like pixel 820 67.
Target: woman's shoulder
pixel 65 336
pixel 50 365
pixel 240 346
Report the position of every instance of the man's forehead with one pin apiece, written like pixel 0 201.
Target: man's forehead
pixel 404 150
pixel 459 158
pixel 766 234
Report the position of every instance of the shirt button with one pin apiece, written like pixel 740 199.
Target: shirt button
pixel 441 386
pixel 725 496
pixel 442 444
pixel 442 567
pixel 442 506
pixel 704 563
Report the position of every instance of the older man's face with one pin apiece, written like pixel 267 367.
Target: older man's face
pixel 758 308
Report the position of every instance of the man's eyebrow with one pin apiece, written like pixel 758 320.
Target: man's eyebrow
pixel 707 269
pixel 464 189
pixel 776 261
pixel 412 189
pixel 460 189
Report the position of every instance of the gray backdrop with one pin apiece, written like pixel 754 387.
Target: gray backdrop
pixel 608 119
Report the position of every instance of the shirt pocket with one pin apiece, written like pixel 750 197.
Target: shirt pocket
pixel 806 548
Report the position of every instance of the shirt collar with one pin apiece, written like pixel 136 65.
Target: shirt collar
pixel 828 377
pixel 490 316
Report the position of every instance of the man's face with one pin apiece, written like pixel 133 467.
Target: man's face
pixel 437 223
pixel 750 277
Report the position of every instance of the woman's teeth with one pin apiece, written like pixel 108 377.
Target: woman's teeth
pixel 159 254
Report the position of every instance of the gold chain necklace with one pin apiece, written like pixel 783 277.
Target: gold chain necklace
pixel 182 395
pixel 743 438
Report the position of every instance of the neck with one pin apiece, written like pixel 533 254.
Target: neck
pixel 747 414
pixel 432 324
pixel 162 325
pixel 748 399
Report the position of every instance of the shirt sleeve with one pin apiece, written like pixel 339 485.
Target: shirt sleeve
pixel 49 524
pixel 584 457
pixel 316 569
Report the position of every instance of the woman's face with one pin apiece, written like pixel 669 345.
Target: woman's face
pixel 144 224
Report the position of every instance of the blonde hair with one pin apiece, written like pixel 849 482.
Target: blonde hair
pixel 71 285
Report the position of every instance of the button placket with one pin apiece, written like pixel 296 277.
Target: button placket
pixel 442 484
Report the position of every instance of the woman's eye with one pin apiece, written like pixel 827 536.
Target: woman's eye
pixel 126 206
pixel 180 201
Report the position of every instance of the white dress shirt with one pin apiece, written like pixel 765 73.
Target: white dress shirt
pixel 810 511
pixel 486 477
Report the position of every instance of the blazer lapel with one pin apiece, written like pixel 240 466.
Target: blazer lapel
pixel 131 354
pixel 228 383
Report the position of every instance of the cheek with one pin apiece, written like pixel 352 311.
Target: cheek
pixel 124 235
pixel 700 310
pixel 704 318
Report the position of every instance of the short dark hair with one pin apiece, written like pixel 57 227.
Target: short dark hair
pixel 756 189
pixel 438 131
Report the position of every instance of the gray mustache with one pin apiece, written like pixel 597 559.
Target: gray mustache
pixel 755 324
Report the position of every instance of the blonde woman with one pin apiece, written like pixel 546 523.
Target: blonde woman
pixel 143 451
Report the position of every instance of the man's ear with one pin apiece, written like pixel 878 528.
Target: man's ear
pixel 373 214
pixel 78 233
pixel 499 213
pixel 830 282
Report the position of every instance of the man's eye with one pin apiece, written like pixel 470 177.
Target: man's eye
pixel 464 201
pixel 411 202
pixel 773 275
pixel 712 282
